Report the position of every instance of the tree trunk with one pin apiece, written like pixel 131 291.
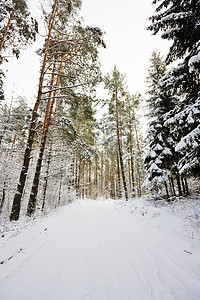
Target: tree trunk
pixel 88 181
pixel 112 180
pixel 107 172
pixel 102 173
pixel 120 150
pixel 46 177
pixel 129 174
pixel 132 161
pixel 79 178
pixel 47 121
pixel 183 186
pixel 3 196
pixel 14 216
pixel 74 167
pixel 139 162
pixel 179 184
pixel 83 182
pixel 34 190
pixel 118 177
pixel 60 189
pixel 96 177
pixel 172 184
pixel 75 160
pixel 166 188
pixel 132 176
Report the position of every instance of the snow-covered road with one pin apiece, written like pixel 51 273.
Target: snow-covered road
pixel 95 251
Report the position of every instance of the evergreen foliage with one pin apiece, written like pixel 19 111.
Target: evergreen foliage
pixel 179 21
pixel 17 27
pixel 70 61
pixel 159 159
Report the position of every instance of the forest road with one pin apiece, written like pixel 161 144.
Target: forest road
pixel 94 251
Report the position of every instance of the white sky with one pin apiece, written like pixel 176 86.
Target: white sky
pixel 129 45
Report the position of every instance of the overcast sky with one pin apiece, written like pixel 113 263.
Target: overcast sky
pixel 129 44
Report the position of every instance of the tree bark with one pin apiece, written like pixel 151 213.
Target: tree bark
pixel 102 173
pixel 129 174
pixel 90 180
pixel 112 180
pixel 96 177
pixel 60 189
pixel 172 184
pixel 179 184
pixel 83 182
pixel 139 163
pixel 74 165
pixel 107 172
pixel 76 175
pixel 3 196
pixel 119 148
pixel 119 194
pixel 183 186
pixel 79 178
pixel 132 161
pixel 166 188
pixel 46 177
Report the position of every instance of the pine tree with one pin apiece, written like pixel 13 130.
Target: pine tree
pixel 23 175
pixel 63 59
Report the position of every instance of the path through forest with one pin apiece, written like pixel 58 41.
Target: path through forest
pixel 95 251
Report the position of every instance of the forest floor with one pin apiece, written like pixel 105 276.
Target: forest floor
pixel 104 250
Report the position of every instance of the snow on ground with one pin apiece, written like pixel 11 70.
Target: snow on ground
pixel 104 250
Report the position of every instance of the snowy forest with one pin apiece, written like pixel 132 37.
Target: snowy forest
pixel 74 145
pixel 58 150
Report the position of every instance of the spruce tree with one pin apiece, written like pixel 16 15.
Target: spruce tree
pixel 179 22
pixel 159 159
